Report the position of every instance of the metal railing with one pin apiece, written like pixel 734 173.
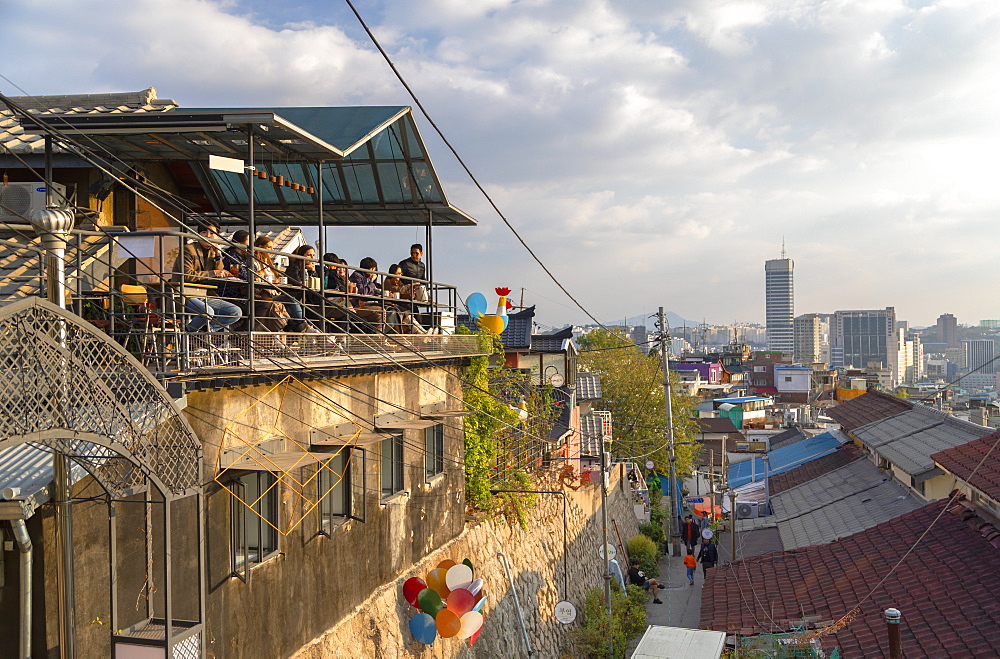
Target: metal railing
pixel 132 286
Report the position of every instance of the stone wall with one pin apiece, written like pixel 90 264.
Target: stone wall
pixel 378 628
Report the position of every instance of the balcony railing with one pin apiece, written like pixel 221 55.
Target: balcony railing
pixel 131 285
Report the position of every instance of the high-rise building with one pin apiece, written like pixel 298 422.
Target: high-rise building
pixel 910 360
pixel 864 338
pixel 979 354
pixel 779 304
pixel 947 330
pixel 810 330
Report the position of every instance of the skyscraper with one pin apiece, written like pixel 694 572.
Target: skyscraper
pixel 779 303
pixel 947 330
pixel 810 332
pixel 864 338
pixel 979 355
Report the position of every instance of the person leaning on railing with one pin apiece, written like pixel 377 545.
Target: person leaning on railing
pixel 267 272
pixel 300 272
pixel 201 261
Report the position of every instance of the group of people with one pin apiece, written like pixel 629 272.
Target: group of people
pixel 289 300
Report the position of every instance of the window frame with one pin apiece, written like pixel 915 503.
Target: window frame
pixel 330 495
pixel 393 460
pixel 247 549
pixel 433 451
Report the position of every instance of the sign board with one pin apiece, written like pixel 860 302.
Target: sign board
pixel 707 534
pixel 649 464
pixel 224 164
pixel 612 552
pixel 565 612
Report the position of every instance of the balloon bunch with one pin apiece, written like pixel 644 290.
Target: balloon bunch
pixel 450 602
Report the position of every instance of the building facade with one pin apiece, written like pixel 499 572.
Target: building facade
pixel 864 338
pixel 979 354
pixel 947 329
pixel 810 330
pixel 779 304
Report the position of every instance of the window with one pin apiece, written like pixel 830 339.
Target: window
pixel 788 379
pixel 433 451
pixel 334 483
pixel 254 513
pixel 392 465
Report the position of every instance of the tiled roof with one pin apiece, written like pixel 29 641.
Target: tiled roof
pixel 718 424
pixel 908 439
pixel 847 500
pixel 784 437
pixel 962 460
pixel 845 454
pixel 588 386
pixel 591 429
pixel 558 341
pixel 948 589
pixel 517 336
pixel 868 407
pixel 13 137
pixel 20 267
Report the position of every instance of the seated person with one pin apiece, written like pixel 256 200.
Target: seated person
pixel 371 310
pixel 413 266
pixel 403 290
pixel 299 273
pixel 200 261
pixel 638 578
pixel 365 281
pixel 267 273
pixel 393 287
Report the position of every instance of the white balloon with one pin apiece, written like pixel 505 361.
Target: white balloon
pixel 471 622
pixel 476 586
pixel 458 576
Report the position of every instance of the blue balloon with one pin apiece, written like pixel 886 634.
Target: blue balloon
pixel 480 604
pixel 476 304
pixel 423 628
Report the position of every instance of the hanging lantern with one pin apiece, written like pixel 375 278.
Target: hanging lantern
pixel 312 190
pixel 278 180
pixel 261 173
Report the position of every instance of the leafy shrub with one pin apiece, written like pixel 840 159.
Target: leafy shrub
pixel 653 531
pixel 641 548
pixel 628 619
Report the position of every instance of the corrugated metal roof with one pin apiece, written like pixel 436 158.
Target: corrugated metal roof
pixel 908 439
pixel 28 469
pixel 591 430
pixel 784 458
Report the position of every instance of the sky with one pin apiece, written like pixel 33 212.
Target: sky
pixel 650 153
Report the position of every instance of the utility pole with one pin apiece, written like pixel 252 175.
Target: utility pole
pixel 892 620
pixel 661 324
pixel 604 529
pixel 732 526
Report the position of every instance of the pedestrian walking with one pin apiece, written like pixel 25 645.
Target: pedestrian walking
pixel 708 555
pixel 691 564
pixel 690 532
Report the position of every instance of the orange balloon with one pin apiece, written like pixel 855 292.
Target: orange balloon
pixel 446 563
pixel 436 581
pixel 448 623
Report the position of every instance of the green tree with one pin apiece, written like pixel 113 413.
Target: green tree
pixel 632 388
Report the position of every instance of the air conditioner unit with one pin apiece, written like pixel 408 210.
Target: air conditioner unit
pixel 746 509
pixel 17 200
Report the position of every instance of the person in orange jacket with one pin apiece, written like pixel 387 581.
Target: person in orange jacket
pixel 690 562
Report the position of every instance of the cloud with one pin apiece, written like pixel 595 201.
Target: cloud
pixel 649 152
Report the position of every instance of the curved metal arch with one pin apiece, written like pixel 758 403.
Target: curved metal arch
pixel 68 387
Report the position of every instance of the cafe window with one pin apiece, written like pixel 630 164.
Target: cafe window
pixel 254 514
pixel 392 465
pixel 433 451
pixel 334 489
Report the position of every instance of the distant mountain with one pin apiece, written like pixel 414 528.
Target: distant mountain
pixel 649 320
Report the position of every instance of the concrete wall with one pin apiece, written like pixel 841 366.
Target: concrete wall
pixel 316 580
pixel 378 627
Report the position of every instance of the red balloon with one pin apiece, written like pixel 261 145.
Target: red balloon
pixel 412 588
pixel 461 601
pixel 448 624
pixel 472 639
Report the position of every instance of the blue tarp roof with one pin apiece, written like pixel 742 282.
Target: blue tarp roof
pixel 783 458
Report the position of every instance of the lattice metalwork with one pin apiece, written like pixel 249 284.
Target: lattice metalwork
pixel 67 387
pixel 189 648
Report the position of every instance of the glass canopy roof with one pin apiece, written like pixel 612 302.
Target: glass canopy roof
pixel 374 167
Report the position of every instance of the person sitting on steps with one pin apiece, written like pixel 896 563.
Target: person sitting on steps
pixel 638 578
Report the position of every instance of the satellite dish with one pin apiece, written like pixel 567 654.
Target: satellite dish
pixel 557 380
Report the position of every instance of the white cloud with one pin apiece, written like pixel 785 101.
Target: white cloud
pixel 675 143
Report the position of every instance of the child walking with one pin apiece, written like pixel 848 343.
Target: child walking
pixel 690 563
